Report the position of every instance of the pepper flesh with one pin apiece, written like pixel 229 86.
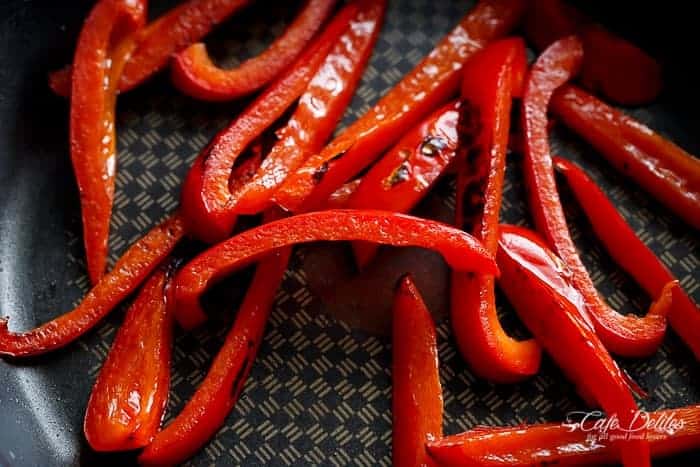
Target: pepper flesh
pixel 416 391
pixel 430 83
pixel 666 171
pixel 128 400
pixel 626 335
pixel 536 283
pixel 631 253
pixel 194 73
pixel 670 432
pixel 131 269
pixel 460 250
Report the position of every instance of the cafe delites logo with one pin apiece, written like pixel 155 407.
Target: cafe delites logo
pixel 643 425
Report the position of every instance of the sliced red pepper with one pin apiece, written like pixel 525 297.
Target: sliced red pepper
pixel 131 269
pixel 626 335
pixel 195 74
pixel 128 400
pixel 205 192
pixel 460 250
pixel 416 392
pixel 430 83
pixel 631 253
pixel 666 171
pixel 670 432
pixel 537 283
pixel 487 88
pixel 406 173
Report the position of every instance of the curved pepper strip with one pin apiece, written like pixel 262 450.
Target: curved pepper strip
pixel 318 111
pixel 416 401
pixel 663 169
pixel 536 283
pixel 626 335
pixel 487 89
pixel 194 73
pixel 97 66
pixel 632 254
pixel 128 400
pixel 131 269
pixel 460 250
pixel 430 83
pixel 205 192
pixel 405 174
pixel 670 432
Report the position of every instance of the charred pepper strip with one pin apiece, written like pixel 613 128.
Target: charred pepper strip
pixel 670 432
pixel 195 74
pixel 487 88
pixel 666 171
pixel 416 390
pixel 536 283
pixel 432 82
pixel 128 400
pixel 131 269
pixel 460 250
pixel 631 253
pixel 624 335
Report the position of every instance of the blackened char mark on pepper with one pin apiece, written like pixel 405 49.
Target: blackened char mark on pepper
pixel 476 160
pixel 432 145
pixel 401 174
pixel 237 385
pixel 321 171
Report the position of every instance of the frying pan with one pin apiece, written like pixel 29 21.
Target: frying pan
pixel 320 390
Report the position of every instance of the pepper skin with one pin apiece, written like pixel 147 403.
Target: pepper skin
pixel 459 249
pixel 666 171
pixel 205 192
pixel 631 253
pixel 194 73
pixel 405 174
pixel 430 83
pixel 128 400
pixel 131 269
pixel 487 88
pixel 626 335
pixel 564 443
pixel 537 283
pixel 416 391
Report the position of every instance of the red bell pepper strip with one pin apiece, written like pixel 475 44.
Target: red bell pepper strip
pixel 131 269
pixel 416 391
pixel 318 111
pixel 128 400
pixel 460 250
pixel 406 173
pixel 625 335
pixel 666 171
pixel 537 283
pixel 487 88
pixel 670 432
pixel 195 74
pixel 631 253
pixel 430 83
pixel 205 192
pixel 97 68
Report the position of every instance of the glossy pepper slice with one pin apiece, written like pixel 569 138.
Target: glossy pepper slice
pixel 205 192
pixel 318 111
pixel 666 171
pixel 632 254
pixel 487 89
pixel 128 400
pixel 536 283
pixel 670 432
pixel 460 250
pixel 415 379
pixel 131 269
pixel 98 65
pixel 625 335
pixel 429 84
pixel 406 173
pixel 194 73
